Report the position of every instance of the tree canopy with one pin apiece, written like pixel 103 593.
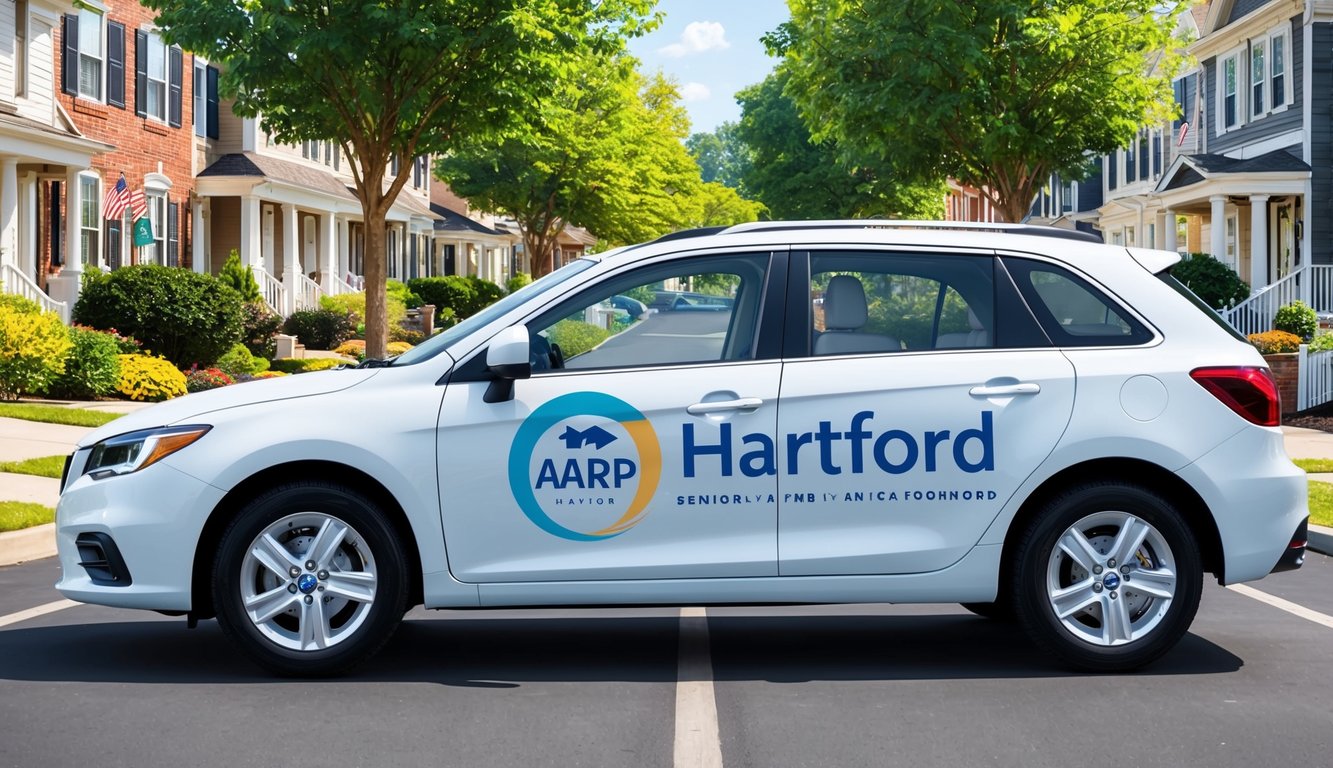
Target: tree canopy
pixel 721 155
pixel 997 94
pixel 799 178
pixel 398 78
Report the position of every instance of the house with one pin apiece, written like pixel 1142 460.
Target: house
pixel 469 242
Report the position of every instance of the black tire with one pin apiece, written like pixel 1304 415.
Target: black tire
pixel 1143 626
pixel 367 560
pixel 1000 610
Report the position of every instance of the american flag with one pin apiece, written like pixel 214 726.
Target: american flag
pixel 138 206
pixel 117 200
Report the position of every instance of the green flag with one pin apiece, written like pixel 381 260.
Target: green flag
pixel 143 232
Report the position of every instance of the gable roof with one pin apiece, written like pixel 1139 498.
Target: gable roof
pixel 1192 169
pixel 251 164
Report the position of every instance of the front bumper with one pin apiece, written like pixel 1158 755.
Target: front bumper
pixel 152 519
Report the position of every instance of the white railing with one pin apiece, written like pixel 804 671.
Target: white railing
pixel 307 293
pixel 275 295
pixel 346 286
pixel 1321 287
pixel 1255 314
pixel 1315 383
pixel 16 282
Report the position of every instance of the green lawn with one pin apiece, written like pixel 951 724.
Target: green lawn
pixel 46 466
pixel 1314 465
pixel 16 515
pixel 1321 503
pixel 54 414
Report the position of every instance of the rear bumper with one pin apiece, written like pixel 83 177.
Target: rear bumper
pixel 1294 557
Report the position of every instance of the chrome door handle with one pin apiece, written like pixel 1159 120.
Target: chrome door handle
pixel 1025 388
pixel 746 404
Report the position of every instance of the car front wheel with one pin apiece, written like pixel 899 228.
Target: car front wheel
pixel 1108 578
pixel 310 579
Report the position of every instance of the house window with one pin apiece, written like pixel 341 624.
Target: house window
pixel 1229 92
pixel 1131 165
pixel 90 224
pixel 1129 237
pixel 20 48
pixel 1178 90
pixel 1067 197
pixel 1232 226
pixel 1151 241
pixel 90 54
pixel 1277 65
pixel 1145 157
pixel 1257 81
pixel 420 172
pixel 157 216
pixel 156 94
pixel 200 98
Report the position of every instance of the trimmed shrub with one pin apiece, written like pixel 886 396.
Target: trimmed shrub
pixel 149 379
pixel 184 316
pixel 400 334
pixel 1217 284
pixel 258 325
pixel 519 280
pixel 464 295
pixel 1298 318
pixel 1322 342
pixel 1275 342
pixel 240 278
pixel 33 346
pixel 395 309
pixel 303 365
pixel 352 348
pixel 400 291
pixel 576 337
pixel 238 360
pixel 397 347
pixel 19 304
pixel 92 366
pixel 197 380
pixel 320 328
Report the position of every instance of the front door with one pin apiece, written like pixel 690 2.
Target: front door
pixel 640 448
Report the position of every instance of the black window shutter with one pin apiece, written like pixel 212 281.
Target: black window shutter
pixel 173 235
pixel 69 72
pixel 115 64
pixel 212 102
pixel 57 230
pixel 140 73
pixel 113 243
pixel 175 73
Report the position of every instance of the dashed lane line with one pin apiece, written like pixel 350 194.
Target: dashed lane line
pixel 32 613
pixel 1294 609
pixel 697 743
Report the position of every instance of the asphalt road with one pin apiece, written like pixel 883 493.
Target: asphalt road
pixel 792 686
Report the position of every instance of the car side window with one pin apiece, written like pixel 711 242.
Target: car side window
pixel 696 310
pixel 1074 312
pixel 873 302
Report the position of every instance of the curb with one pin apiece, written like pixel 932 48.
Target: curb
pixel 1321 539
pixel 28 544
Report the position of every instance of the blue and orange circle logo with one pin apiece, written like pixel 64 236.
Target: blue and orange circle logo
pixel 584 466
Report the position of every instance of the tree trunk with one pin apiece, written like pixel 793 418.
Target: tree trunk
pixel 377 325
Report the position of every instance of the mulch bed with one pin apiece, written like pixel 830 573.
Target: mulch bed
pixel 1320 418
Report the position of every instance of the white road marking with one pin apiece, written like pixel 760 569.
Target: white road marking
pixel 1286 605
pixel 33 613
pixel 697 742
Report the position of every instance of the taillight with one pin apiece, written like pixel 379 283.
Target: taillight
pixel 1248 390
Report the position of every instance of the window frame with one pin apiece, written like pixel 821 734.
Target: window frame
pixel 100 58
pixel 90 236
pixel 153 84
pixel 1282 35
pixel 1257 78
pixel 1235 58
pixel 199 98
pixel 21 53
pixel 156 198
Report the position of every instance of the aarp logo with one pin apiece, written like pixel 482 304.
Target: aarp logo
pixel 584 466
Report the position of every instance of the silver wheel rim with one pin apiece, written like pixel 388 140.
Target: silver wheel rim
pixel 308 581
pixel 1111 579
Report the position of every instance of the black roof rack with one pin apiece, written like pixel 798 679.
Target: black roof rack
pixel 961 226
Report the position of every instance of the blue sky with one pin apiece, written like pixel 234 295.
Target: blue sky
pixel 712 49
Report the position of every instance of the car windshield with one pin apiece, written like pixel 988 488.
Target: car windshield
pixel 448 337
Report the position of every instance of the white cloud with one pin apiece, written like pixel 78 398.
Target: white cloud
pixel 695 92
pixel 698 37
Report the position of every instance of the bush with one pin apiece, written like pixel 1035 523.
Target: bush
pixel 352 348
pixel 576 337
pixel 258 325
pixel 399 333
pixel 304 365
pixel 1211 280
pixel 92 366
pixel 519 280
pixel 464 295
pixel 241 278
pixel 33 346
pixel 1322 342
pixel 395 309
pixel 186 317
pixel 396 348
pixel 1275 342
pixel 400 291
pixel 320 328
pixel 19 304
pixel 197 380
pixel 149 379
pixel 238 361
pixel 1298 318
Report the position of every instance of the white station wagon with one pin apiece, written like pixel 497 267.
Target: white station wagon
pixel 1019 419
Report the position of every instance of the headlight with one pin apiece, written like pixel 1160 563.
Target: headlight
pixel 132 451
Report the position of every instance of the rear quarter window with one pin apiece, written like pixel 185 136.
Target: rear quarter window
pixel 1073 312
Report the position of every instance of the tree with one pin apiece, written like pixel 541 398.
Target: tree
pixel 798 178
pixel 718 205
pixel 997 94
pixel 721 155
pixel 397 78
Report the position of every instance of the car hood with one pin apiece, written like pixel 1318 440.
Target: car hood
pixel 195 406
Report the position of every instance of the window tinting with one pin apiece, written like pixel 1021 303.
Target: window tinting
pixel 1072 311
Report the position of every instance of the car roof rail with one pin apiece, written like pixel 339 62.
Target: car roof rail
pixel 973 226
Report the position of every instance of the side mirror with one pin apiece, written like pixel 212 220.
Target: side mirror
pixel 508 358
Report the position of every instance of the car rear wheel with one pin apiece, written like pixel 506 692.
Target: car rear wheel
pixel 310 579
pixel 1108 577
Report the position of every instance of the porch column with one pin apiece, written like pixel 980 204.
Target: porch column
pixel 73 225
pixel 1258 241
pixel 250 254
pixel 9 210
pixel 1169 230
pixel 1218 235
pixel 27 237
pixel 344 248
pixel 291 256
pixel 199 249
pixel 328 234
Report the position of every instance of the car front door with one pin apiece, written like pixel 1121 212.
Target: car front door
pixel 636 448
pixel 917 396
